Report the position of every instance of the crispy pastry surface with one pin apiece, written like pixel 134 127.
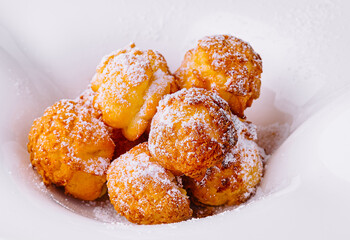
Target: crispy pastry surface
pixel 143 191
pixel 70 146
pixel 234 180
pixel 226 65
pixel 191 131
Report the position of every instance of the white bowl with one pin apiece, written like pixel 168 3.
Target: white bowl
pixel 49 51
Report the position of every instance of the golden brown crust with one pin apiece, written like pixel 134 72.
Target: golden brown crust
pixel 70 147
pixel 191 131
pixel 143 191
pixel 195 141
pixel 129 84
pixel 234 180
pixel 226 65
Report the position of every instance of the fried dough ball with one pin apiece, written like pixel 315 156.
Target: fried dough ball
pixel 191 131
pixel 226 65
pixel 234 180
pixel 122 145
pixel 129 84
pixel 72 148
pixel 143 191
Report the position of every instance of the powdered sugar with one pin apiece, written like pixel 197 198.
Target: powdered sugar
pixel 189 125
pixel 270 137
pixel 134 172
pixel 232 56
pixel 192 96
pixel 130 63
pixel 140 188
pixel 74 125
pixel 105 212
pixel 97 166
pixel 129 84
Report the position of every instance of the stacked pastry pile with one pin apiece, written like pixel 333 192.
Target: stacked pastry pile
pixel 165 144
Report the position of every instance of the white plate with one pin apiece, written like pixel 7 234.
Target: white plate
pixel 49 50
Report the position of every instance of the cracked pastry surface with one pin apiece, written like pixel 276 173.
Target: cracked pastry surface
pixel 143 191
pixel 224 64
pixel 191 131
pixel 70 146
pixel 234 180
pixel 177 154
pixel 129 84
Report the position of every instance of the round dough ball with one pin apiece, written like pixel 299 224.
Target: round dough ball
pixel 226 65
pixel 191 131
pixel 72 148
pixel 143 191
pixel 234 180
pixel 129 84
